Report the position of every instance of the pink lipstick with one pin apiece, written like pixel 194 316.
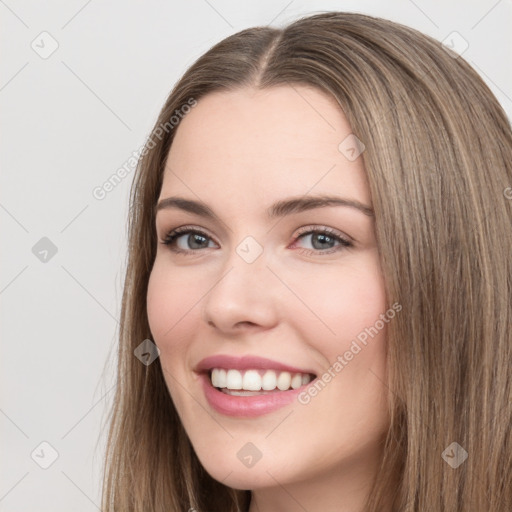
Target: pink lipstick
pixel 250 386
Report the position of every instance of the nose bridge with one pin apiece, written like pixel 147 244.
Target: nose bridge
pixel 243 290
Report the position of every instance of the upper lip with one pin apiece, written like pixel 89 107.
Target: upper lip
pixel 247 362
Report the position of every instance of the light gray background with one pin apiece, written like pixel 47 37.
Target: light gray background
pixel 69 122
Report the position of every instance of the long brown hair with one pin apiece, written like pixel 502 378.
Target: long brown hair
pixel 438 159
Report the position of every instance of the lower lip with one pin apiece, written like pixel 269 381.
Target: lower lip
pixel 246 406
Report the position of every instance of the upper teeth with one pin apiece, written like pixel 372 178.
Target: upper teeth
pixel 256 380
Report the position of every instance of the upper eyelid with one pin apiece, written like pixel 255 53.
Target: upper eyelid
pixel 183 230
pixel 328 229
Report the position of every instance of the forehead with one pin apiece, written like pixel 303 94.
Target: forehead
pixel 264 144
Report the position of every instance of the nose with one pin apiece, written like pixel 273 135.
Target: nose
pixel 243 296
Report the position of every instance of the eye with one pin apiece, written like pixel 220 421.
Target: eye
pixel 185 240
pixel 323 240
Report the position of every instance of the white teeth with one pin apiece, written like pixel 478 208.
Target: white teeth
pixel 284 380
pixel 233 379
pixel 257 380
pixel 251 381
pixel 296 381
pixel 219 377
pixel 269 381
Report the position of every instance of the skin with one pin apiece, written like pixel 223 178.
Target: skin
pixel 299 302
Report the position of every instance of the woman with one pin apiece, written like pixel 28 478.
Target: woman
pixel 319 279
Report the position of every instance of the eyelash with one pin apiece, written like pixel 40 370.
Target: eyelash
pixel 173 235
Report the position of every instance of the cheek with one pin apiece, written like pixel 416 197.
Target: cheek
pixel 170 309
pixel 342 302
pixel 170 303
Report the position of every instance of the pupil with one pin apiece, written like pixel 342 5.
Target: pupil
pixel 195 237
pixel 323 238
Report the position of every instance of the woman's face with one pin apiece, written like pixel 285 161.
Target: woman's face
pixel 271 274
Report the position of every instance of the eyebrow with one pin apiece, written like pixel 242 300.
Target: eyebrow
pixel 278 209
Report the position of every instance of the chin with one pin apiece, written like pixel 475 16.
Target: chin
pixel 242 478
pixel 267 471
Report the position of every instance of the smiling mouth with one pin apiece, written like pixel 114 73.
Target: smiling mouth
pixel 252 382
